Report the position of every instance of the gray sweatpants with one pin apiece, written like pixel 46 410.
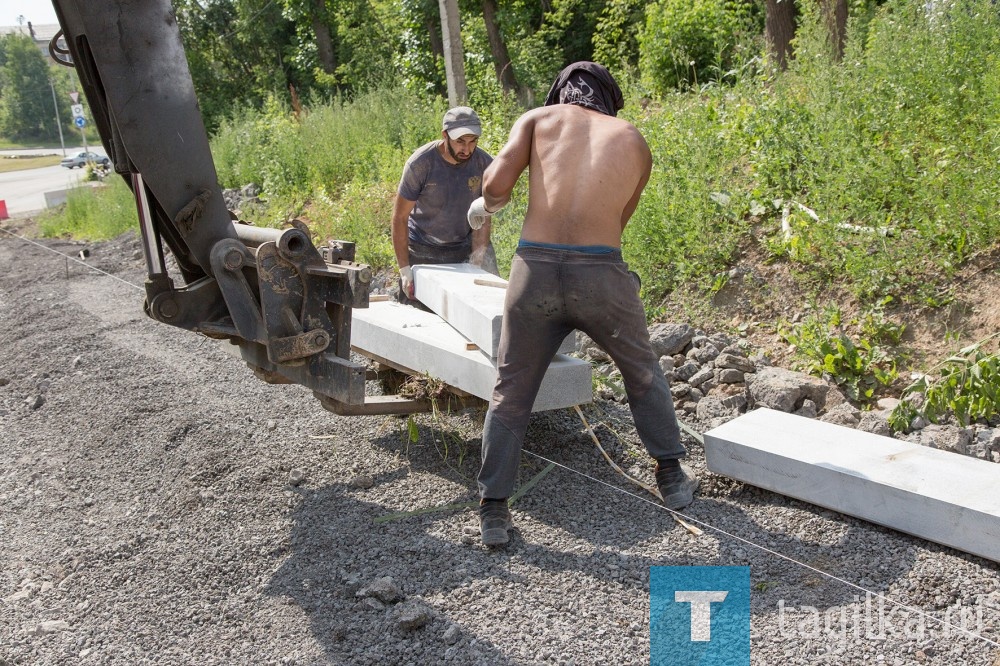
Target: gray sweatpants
pixel 552 292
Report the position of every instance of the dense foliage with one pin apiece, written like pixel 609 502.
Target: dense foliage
pixel 247 52
pixel 30 91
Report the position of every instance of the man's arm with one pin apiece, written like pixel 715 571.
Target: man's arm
pixel 633 203
pixel 502 174
pixel 480 239
pixel 401 210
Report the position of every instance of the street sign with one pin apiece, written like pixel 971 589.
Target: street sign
pixel 80 121
pixel 75 96
pixel 77 110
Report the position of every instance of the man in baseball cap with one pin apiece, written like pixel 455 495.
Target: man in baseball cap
pixel 440 180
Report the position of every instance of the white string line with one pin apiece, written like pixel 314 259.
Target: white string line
pixel 82 263
pixel 768 550
pixel 643 499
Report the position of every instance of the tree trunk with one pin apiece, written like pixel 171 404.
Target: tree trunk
pixel 779 29
pixel 434 36
pixel 324 43
pixel 454 58
pixel 501 58
pixel 835 14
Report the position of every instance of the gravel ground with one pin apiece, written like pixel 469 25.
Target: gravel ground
pixel 158 505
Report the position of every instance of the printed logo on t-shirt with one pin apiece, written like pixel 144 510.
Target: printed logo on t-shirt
pixel 474 183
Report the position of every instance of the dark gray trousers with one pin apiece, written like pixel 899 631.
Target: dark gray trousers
pixel 552 292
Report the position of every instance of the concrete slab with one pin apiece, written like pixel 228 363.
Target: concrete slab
pixel 424 342
pixel 936 495
pixel 475 310
pixel 54 198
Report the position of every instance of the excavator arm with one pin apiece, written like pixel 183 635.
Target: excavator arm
pixel 286 303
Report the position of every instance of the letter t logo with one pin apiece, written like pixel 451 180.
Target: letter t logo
pixel 701 610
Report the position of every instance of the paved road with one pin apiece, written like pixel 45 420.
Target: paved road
pixel 24 191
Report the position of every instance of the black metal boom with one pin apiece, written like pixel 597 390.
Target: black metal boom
pixel 285 303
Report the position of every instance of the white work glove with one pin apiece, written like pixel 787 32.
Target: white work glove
pixel 406 277
pixel 478 214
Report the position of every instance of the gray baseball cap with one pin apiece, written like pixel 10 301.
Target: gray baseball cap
pixel 460 121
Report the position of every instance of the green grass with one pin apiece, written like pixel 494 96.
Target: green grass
pixel 8 164
pixel 93 213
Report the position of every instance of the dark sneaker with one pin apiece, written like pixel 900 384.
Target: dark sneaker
pixel 494 522
pixel 676 486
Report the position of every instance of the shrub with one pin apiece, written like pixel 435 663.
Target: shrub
pixel 93 213
pixel 689 42
pixel 362 214
pixel 966 388
pixel 858 367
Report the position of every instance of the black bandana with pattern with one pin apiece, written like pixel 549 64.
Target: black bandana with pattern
pixel 587 84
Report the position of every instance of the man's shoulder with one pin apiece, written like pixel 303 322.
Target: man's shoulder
pixel 424 152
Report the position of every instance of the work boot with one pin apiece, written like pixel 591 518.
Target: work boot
pixel 676 486
pixel 494 522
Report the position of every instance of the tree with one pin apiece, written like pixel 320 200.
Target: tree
pixel 324 42
pixel 420 57
pixel 779 29
pixel 835 16
pixel 366 46
pixel 26 103
pixel 239 53
pixel 501 58
pixel 454 56
pixel 688 43
pixel 616 41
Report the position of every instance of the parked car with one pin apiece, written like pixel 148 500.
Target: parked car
pixel 81 159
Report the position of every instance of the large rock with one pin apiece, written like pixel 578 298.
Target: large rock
pixel 735 362
pixel 413 614
pixel 670 339
pixel 784 390
pixel 876 422
pixel 944 437
pixel 715 407
pixel 384 589
pixel 591 350
pixel 843 414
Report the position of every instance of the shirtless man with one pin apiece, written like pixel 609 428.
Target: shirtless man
pixel 586 169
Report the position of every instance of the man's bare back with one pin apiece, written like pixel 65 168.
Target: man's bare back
pixel 586 173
